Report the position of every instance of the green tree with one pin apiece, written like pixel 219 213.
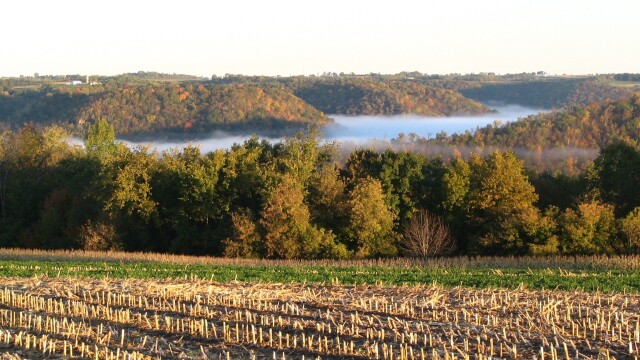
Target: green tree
pixel 246 175
pixel 132 186
pixel 456 182
pixel 302 154
pixel 455 185
pixel 100 140
pixel 409 180
pixel 360 164
pixel 28 159
pixel 401 175
pixel 76 202
pixel 186 190
pixel 6 163
pixel 615 176
pixel 125 187
pixel 557 189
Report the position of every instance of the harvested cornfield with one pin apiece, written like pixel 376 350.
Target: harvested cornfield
pixel 149 319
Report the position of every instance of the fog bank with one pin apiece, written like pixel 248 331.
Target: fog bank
pixel 364 128
pixel 361 129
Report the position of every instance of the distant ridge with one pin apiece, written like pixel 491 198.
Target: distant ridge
pixel 353 96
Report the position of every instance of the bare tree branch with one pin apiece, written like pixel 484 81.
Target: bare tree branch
pixel 427 235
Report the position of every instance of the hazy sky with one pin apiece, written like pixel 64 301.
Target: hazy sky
pixel 290 37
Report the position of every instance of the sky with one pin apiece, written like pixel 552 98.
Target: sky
pixel 294 37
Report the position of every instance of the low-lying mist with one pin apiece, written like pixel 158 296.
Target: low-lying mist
pixel 380 133
pixel 362 129
pixel 569 161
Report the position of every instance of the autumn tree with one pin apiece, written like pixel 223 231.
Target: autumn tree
pixel 328 199
pixel 288 232
pixel 630 229
pixel 99 236
pixel 371 221
pixel 245 240
pixel 499 203
pixel 589 229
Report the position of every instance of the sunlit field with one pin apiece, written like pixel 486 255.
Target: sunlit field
pixel 587 273
pixel 100 305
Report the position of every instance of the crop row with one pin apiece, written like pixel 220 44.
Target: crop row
pixel 132 319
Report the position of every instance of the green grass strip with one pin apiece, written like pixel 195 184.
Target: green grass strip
pixel 583 280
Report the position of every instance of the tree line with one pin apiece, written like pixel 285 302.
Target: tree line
pixel 627 77
pixel 295 200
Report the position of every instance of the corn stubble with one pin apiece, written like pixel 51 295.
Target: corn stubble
pixel 135 319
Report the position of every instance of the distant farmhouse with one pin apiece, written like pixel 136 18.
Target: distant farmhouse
pixel 87 82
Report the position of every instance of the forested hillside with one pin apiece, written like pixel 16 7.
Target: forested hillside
pixel 195 108
pixel 161 108
pixel 45 106
pixel 137 107
pixel 592 126
pixel 388 94
pixel 152 104
pixel 554 93
pixel 363 96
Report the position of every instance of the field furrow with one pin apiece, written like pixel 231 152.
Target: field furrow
pixel 138 319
